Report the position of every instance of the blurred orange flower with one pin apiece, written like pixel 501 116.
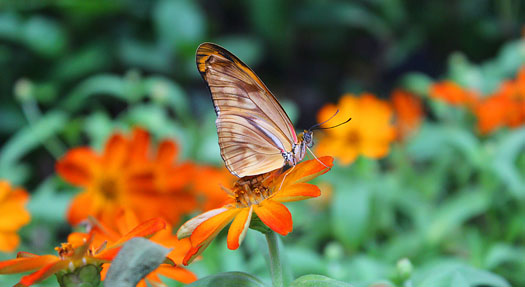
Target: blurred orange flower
pixel 13 215
pixel 409 112
pixel 126 223
pixel 506 107
pixel 262 194
pixel 73 254
pixel 368 133
pixel 211 196
pixel 452 93
pixel 126 175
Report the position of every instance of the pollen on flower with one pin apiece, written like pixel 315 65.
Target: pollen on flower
pixel 65 250
pixel 250 190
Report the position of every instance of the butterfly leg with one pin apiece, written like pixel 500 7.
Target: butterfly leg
pixel 287 172
pixel 316 157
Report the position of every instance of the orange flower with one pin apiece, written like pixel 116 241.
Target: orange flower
pixel 126 175
pixel 506 107
pixel 492 113
pixel 262 195
pixel 409 112
pixel 13 215
pixel 452 93
pixel 368 133
pixel 212 197
pixel 74 254
pixel 126 222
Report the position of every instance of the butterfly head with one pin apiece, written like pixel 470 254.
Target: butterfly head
pixel 308 138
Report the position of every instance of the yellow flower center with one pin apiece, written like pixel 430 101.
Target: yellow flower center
pixel 250 190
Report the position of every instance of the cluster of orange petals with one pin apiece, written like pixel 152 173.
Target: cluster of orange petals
pixel 453 94
pixel 127 223
pixel 263 195
pixel 128 174
pixel 505 107
pixel 13 215
pixel 79 251
pixel 369 133
pixel 408 112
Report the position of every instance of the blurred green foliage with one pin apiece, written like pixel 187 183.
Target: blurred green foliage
pixel 446 208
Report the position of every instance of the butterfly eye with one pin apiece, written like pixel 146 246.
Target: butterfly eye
pixel 308 139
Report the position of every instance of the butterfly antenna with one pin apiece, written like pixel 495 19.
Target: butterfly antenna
pixel 314 127
pixel 340 124
pixel 316 157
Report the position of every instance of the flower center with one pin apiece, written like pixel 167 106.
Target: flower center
pixel 65 250
pixel 353 137
pixel 250 190
pixel 108 187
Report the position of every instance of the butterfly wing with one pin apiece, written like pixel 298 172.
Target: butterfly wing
pixel 252 126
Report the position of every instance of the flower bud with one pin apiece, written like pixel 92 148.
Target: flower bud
pixel 84 276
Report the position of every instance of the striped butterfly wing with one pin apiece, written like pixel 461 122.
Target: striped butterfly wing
pixel 252 126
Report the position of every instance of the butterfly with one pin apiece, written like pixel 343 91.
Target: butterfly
pixel 256 135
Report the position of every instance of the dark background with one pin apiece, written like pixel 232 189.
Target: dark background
pixel 307 51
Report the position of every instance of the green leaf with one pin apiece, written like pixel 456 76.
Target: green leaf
pixel 350 222
pixel 163 90
pixel 125 89
pixel 40 34
pixel 416 83
pixel 228 279
pixel 44 36
pixel 248 49
pixel 313 280
pixel 456 210
pixel 501 254
pixel 137 258
pixel 30 137
pixel 48 205
pixel 504 163
pixel 450 273
pixel 179 23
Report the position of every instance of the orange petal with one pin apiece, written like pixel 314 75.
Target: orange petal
pixel 307 170
pixel 180 247
pixel 13 214
pixel 23 254
pixel 81 207
pixel 115 152
pixel 275 215
pixel 187 228
pixel 177 273
pixel 207 230
pixel 24 264
pixel 139 144
pixel 44 272
pixel 167 152
pixel 295 192
pixel 9 241
pixel 126 221
pixel 194 252
pixel 145 229
pixel 77 166
pixel 108 254
pixel 239 227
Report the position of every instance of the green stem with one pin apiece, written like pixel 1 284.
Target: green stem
pixel 275 259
